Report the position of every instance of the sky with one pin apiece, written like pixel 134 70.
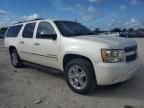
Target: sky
pixel 103 14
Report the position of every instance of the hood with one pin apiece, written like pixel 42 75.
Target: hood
pixel 113 41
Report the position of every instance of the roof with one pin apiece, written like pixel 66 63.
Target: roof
pixel 38 19
pixel 29 20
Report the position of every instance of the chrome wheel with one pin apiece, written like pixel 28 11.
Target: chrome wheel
pixel 14 58
pixel 77 77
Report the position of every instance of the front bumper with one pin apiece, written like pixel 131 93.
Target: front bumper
pixel 111 73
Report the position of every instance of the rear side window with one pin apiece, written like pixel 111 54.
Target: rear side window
pixel 28 30
pixel 13 31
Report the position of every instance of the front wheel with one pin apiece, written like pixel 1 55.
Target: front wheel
pixel 80 76
pixel 15 59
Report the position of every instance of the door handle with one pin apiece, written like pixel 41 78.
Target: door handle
pixel 21 42
pixel 36 43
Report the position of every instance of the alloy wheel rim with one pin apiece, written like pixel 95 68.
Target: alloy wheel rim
pixel 77 77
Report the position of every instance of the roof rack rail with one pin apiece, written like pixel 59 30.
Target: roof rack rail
pixel 29 20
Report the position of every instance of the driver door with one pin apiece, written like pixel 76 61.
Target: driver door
pixel 46 45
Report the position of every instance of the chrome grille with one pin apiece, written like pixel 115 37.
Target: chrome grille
pixel 131 53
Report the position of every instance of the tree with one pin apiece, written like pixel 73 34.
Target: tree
pixel 2 31
pixel 131 30
pixel 97 30
pixel 140 29
pixel 116 30
pixel 124 30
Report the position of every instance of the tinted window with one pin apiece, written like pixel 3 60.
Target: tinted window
pixel 13 31
pixel 47 28
pixel 69 28
pixel 28 30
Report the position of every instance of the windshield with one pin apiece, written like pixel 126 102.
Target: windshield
pixel 69 28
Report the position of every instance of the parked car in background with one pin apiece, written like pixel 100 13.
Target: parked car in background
pixel 86 59
pixel 135 34
pixel 124 34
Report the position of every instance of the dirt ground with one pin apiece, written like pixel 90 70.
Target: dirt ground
pixel 23 88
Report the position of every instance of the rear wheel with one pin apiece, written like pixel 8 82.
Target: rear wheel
pixel 15 59
pixel 80 76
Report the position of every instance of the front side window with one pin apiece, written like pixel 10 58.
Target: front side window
pixel 13 31
pixel 28 30
pixel 45 30
pixel 69 28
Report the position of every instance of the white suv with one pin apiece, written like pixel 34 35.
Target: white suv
pixel 87 59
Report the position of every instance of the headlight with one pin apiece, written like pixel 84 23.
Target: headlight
pixel 112 55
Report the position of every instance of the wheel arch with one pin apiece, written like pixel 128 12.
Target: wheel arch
pixel 68 57
pixel 11 48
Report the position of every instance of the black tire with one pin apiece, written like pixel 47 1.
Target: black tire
pixel 89 80
pixel 15 59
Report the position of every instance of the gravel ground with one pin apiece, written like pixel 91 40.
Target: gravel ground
pixel 32 87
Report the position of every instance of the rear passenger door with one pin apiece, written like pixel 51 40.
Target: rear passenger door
pixel 26 42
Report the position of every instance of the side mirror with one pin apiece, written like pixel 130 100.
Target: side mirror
pixel 46 35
